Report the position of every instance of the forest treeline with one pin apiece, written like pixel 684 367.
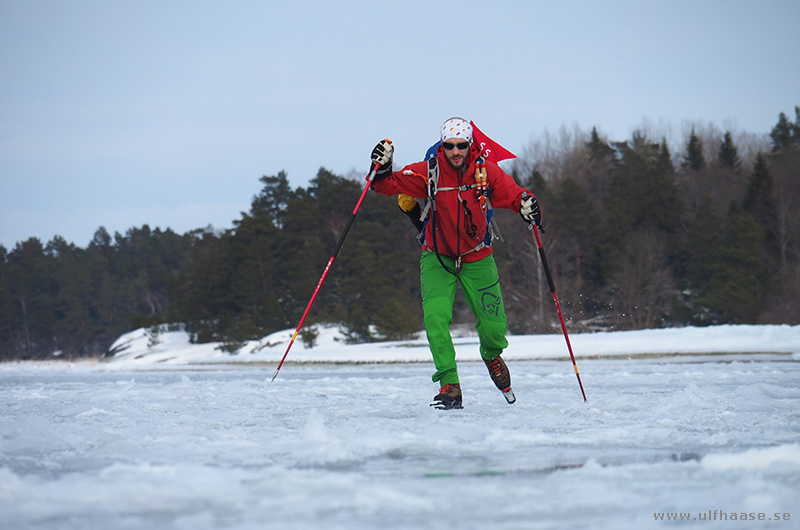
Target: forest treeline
pixel 637 237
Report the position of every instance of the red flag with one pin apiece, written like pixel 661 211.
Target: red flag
pixel 491 150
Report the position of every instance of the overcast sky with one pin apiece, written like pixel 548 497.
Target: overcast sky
pixel 167 113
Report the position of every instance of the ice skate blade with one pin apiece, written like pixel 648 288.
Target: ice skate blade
pixel 509 395
pixel 446 406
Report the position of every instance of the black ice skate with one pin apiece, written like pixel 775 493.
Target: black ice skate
pixel 501 377
pixel 449 397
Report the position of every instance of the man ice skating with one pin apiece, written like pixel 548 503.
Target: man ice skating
pixel 459 186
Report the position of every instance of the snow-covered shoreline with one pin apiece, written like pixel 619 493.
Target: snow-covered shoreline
pixel 174 347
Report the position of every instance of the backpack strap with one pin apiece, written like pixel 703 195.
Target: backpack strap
pixel 483 192
pixel 433 188
pixel 481 183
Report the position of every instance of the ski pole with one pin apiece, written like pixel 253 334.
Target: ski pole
pixel 328 266
pixel 532 227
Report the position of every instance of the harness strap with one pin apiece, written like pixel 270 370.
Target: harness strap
pixel 463 187
pixel 432 181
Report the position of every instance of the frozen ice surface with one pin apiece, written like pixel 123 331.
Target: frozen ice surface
pixel 356 446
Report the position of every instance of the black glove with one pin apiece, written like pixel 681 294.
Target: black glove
pixel 382 155
pixel 529 209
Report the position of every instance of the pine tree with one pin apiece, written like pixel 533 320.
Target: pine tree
pixel 106 324
pixel 255 253
pixel 781 134
pixel 664 159
pixel 758 200
pixel 273 200
pixel 598 149
pixel 643 193
pixel 72 329
pixel 728 154
pixel 396 320
pixel 739 281
pixel 703 258
pixel 7 339
pixel 202 288
pixel 693 159
pixel 32 292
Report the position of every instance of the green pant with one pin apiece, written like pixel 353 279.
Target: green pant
pixel 480 284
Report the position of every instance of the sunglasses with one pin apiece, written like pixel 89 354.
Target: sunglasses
pixel 460 146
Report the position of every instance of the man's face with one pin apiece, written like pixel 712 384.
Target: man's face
pixel 456 151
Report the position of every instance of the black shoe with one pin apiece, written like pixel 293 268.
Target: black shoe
pixel 449 397
pixel 501 377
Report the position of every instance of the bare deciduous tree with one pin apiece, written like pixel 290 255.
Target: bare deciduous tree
pixel 643 287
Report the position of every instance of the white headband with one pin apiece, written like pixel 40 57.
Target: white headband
pixel 456 128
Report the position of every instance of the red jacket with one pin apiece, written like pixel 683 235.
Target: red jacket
pixel 454 236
